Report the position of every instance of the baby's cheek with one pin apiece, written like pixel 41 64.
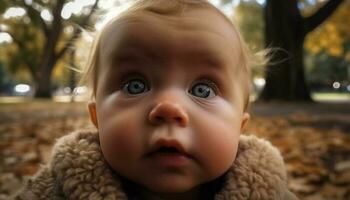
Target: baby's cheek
pixel 219 148
pixel 217 138
pixel 120 137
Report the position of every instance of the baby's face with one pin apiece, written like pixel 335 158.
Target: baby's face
pixel 169 109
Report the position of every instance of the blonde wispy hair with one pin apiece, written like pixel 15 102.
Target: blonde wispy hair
pixel 172 7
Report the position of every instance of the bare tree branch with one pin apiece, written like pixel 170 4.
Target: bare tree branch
pixel 311 22
pixel 77 31
pixel 48 57
pixel 36 15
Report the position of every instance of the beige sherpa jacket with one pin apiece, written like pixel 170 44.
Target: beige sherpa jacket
pixel 78 171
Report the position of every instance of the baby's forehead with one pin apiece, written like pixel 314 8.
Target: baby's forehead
pixel 199 31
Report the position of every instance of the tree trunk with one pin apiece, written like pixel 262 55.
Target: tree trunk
pixel 50 55
pixel 285 31
pixel 49 58
pixel 43 85
pixel 72 76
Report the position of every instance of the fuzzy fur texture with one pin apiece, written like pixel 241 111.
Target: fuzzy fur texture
pixel 77 170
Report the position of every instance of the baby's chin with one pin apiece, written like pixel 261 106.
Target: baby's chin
pixel 171 186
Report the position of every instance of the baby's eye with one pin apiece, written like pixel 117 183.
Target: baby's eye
pixel 135 86
pixel 202 90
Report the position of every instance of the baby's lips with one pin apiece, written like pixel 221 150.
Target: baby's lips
pixel 167 143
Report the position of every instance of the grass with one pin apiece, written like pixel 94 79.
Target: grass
pixel 330 96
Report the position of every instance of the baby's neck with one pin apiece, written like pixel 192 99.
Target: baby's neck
pixel 190 195
pixel 135 191
pixel 203 192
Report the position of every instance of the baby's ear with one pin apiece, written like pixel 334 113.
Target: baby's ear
pixel 92 113
pixel 244 123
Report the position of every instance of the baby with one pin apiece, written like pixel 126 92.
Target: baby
pixel 170 82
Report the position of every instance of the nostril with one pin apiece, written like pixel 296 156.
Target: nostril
pixel 178 119
pixel 159 119
pixel 168 113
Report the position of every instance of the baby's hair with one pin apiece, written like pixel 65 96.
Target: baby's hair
pixel 174 7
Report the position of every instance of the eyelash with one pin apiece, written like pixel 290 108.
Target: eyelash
pixel 210 83
pixel 207 83
pixel 127 77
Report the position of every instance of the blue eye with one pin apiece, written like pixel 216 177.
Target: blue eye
pixel 135 86
pixel 202 90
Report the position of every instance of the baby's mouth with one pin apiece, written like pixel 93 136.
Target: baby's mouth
pixel 166 157
pixel 167 146
pixel 167 150
pixel 168 154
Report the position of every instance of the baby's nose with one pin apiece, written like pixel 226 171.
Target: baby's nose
pixel 168 112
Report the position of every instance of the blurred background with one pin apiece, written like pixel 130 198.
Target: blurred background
pixel 301 102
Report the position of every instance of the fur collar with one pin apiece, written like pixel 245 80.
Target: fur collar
pixel 78 171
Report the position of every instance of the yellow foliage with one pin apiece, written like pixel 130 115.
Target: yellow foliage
pixel 335 51
pixel 23 74
pixel 347 56
pixel 331 35
pixel 60 69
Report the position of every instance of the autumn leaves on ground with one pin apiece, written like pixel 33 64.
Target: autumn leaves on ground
pixel 313 138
